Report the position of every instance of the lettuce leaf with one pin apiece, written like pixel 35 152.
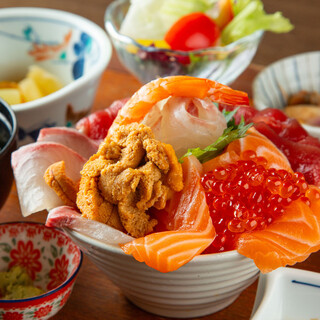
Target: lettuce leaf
pixel 151 19
pixel 249 16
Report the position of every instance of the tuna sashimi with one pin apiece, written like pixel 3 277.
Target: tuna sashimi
pixel 71 138
pixel 191 229
pixel 301 149
pixel 290 239
pixel 97 124
pixel 29 164
pixel 68 217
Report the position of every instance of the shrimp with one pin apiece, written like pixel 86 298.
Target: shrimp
pixel 179 86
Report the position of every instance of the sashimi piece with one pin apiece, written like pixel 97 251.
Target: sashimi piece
pixel 301 149
pixel 303 158
pixel 191 231
pixel 68 217
pixel 256 142
pixel 71 138
pixel 97 124
pixel 186 123
pixel 29 164
pixel 290 239
pixel 178 86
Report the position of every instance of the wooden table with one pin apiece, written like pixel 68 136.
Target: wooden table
pixel 94 296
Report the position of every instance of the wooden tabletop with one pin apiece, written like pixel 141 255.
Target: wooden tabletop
pixel 94 296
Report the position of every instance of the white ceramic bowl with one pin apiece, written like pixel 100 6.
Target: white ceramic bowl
pixel 274 84
pixel 287 293
pixel 205 285
pixel 52 261
pixel 71 47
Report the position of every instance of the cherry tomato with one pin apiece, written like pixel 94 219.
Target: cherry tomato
pixel 193 31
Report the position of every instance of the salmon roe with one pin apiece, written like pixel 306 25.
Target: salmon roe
pixel 245 196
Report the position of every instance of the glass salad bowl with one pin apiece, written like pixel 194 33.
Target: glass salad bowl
pixel 221 63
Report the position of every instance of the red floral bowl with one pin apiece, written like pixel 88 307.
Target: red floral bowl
pixel 51 259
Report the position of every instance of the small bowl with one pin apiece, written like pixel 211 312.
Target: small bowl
pixel 51 259
pixel 8 143
pixel 222 64
pixel 287 293
pixel 274 84
pixel 69 46
pixel 203 286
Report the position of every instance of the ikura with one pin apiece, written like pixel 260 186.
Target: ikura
pixel 245 196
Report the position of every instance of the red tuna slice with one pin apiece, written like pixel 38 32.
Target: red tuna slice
pixel 29 164
pixel 68 217
pixel 245 112
pixel 71 138
pixel 97 124
pixel 303 158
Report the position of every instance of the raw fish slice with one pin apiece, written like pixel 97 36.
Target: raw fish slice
pixel 289 239
pixel 186 123
pixel 29 164
pixel 178 86
pixel 71 138
pixel 191 225
pixel 255 141
pixel 96 125
pixel 68 217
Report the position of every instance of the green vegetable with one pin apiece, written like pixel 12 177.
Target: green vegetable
pixel 151 19
pixel 249 16
pixel 179 8
pixel 231 133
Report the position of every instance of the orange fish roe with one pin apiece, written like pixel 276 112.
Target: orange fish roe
pixel 245 196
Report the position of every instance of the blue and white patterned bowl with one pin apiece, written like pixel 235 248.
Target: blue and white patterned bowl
pixel 71 47
pixel 273 85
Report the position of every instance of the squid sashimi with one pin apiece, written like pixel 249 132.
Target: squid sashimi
pixel 191 227
pixel 71 138
pixel 68 217
pixel 29 164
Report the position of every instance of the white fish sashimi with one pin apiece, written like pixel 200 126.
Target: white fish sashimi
pixel 29 164
pixel 68 217
pixel 186 123
pixel 71 138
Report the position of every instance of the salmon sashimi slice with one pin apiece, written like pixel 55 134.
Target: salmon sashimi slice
pixel 190 227
pixel 179 86
pixel 256 142
pixel 289 239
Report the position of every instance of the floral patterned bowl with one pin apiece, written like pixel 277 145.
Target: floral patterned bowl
pixel 51 259
pixel 73 48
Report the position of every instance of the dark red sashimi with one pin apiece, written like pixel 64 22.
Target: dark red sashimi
pixel 303 158
pixel 301 149
pixel 97 124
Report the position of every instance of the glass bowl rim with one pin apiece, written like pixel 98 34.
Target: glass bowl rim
pixel 115 34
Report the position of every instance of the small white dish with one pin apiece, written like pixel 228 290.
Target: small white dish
pixel 274 84
pixel 287 294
